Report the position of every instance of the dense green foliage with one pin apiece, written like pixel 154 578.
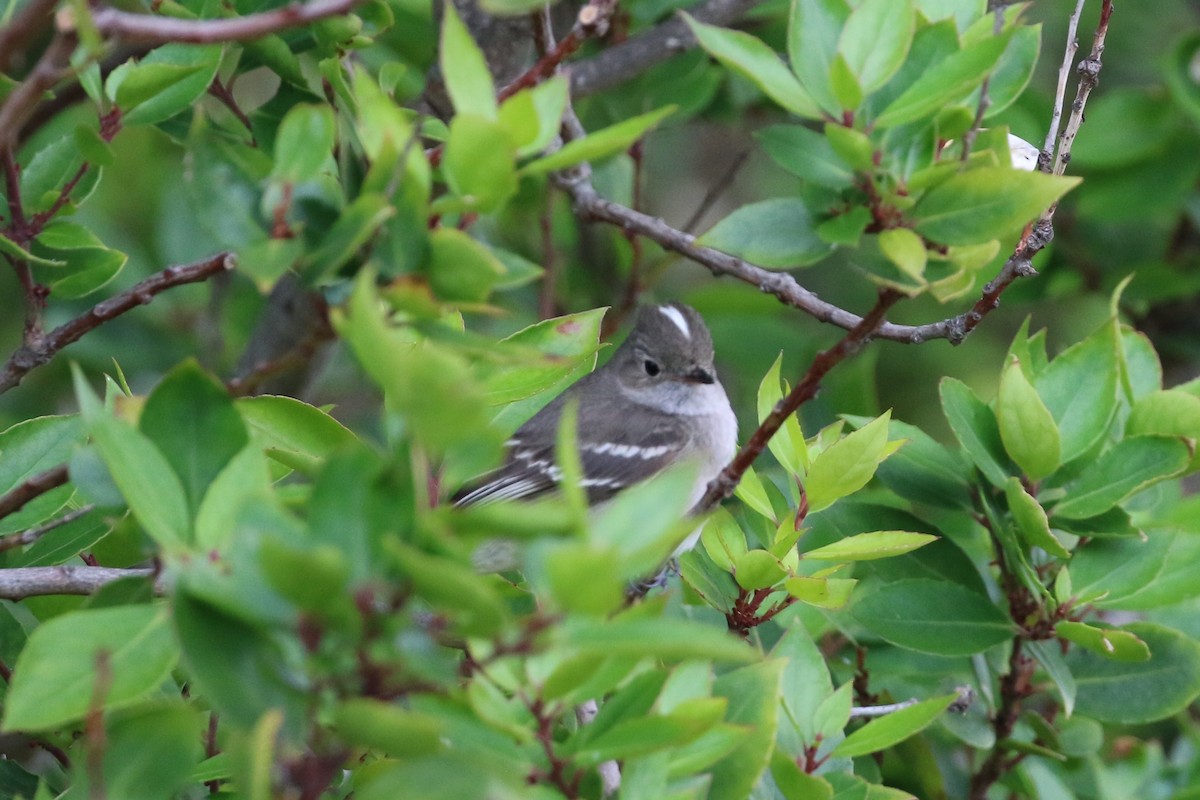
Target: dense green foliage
pixel 297 612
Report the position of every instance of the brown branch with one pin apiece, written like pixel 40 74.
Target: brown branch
pixel 22 582
pixel 723 485
pixel 1014 687
pixel 33 534
pixel 27 25
pixel 32 355
pixel 16 498
pixel 20 104
pixel 634 56
pixel 1089 76
pixel 1064 72
pixel 149 28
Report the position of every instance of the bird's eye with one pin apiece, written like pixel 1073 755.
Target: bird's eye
pixel 651 367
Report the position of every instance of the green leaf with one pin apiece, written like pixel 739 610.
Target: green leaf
pixel 149 752
pixel 1165 413
pixel 758 569
pixel 892 729
pixel 191 420
pixel 286 424
pixel 753 694
pixel 1124 692
pixel 870 546
pixel 847 465
pixel 599 144
pixel 852 146
pixel 755 61
pixel 304 143
pixel 1049 655
pixel 723 539
pixel 30 448
pixel 145 477
pixel 56 677
pixel 787 445
pixel 85 263
pixel 846 91
pixel 795 784
pixel 986 203
pixel 933 617
pixel 1113 643
pixel 468 81
pixel 1026 425
pixel 471 599
pixel 533 117
pixel 10 248
pixel 950 79
pixel 543 355
pixel 807 154
pixel 396 731
pixel 1079 387
pixel 905 249
pixel 584 578
pixel 1031 520
pixel 876 39
pixel 238 669
pixel 479 163
pixel 353 229
pixel 923 470
pixel 1107 571
pixel 168 81
pixel 460 268
pixel 831 593
pixel 776 234
pixel 1014 70
pixel 1129 467
pixel 668 639
pixel 976 429
pixel 814 29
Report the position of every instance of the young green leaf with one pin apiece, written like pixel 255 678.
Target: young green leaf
pixel 1113 643
pixel 976 429
pixel 787 445
pixel 814 29
pixel 870 546
pixel 892 729
pixel 599 144
pixel 950 79
pixel 1031 520
pixel 468 81
pixel 830 593
pixel 754 60
pixel 1026 426
pixel 806 154
pixel 304 143
pixel 479 163
pixel 876 39
pixel 847 465
pixel 1079 387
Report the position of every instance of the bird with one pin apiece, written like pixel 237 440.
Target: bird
pixel 657 402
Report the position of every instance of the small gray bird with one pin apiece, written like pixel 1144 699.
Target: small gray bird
pixel 655 403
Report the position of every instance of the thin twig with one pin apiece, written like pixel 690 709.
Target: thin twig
pixel 16 498
pixel 715 191
pixel 30 356
pixel 723 485
pixel 21 102
pixel 1060 93
pixel 150 28
pixel 624 61
pixel 1089 76
pixel 985 101
pixel 22 582
pixel 30 536
pixel 26 26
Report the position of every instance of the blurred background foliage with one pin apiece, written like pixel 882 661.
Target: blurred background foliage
pixel 1139 211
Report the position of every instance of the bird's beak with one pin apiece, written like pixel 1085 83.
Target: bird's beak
pixel 699 375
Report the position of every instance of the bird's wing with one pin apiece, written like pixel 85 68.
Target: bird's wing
pixel 639 449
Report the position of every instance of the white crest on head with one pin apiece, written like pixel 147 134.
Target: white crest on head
pixel 676 316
